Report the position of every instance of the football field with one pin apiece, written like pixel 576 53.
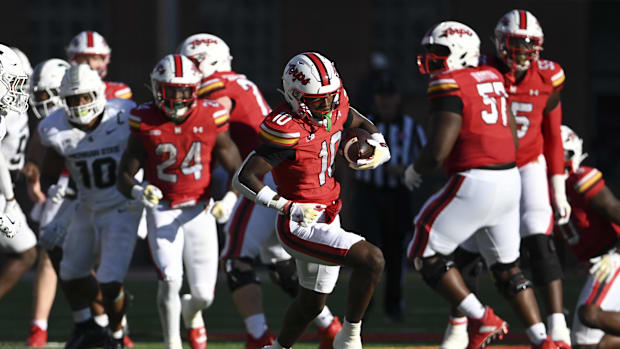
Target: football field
pixel 425 318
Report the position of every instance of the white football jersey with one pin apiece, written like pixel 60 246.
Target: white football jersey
pixel 15 139
pixel 93 157
pixel 2 126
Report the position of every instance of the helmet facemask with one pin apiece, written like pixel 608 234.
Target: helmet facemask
pixel 176 100
pixel 44 101
pixel 434 59
pixel 573 149
pixel 15 98
pixel 518 51
pixel 85 107
pixel 319 107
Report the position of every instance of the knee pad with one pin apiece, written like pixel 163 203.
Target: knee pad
pixel 284 274
pixel 236 277
pixel 433 272
pixel 543 259
pixel 509 286
pixel 470 265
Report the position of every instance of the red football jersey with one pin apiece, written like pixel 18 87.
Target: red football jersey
pixel 249 106
pixel 588 234
pixel 178 156
pixel 485 137
pixel 117 90
pixel 528 100
pixel 310 177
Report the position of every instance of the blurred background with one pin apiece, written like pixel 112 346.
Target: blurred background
pixel 361 37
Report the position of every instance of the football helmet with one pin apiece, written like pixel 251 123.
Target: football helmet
pixel 174 83
pixel 45 86
pixel 312 87
pixel 449 46
pixel 83 94
pixel 208 52
pixel 518 39
pixel 13 95
pixel 25 65
pixel 573 148
pixel 89 43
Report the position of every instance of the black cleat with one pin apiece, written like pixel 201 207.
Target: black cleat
pixel 87 334
pixel 113 343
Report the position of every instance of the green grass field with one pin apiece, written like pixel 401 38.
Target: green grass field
pixel 426 314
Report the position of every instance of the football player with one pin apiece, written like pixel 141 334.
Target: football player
pixel 593 235
pixel 250 234
pixel 88 136
pixel 173 139
pixel 533 85
pixel 13 105
pixel 473 135
pixel 301 138
pixel 89 47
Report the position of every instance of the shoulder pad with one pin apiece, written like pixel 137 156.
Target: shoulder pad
pixel 120 104
pixel 219 113
pixel 551 72
pixel 280 129
pixel 50 125
pixel 119 90
pixel 138 113
pixel 209 85
pixel 586 178
pixel 442 84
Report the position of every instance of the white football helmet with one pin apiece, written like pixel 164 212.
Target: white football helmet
pixel 209 52
pixel 45 86
pixel 573 148
pixel 13 95
pixel 174 83
pixel 450 46
pixel 82 80
pixel 89 43
pixel 312 87
pixel 518 33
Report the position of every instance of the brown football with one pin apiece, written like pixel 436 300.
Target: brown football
pixel 355 145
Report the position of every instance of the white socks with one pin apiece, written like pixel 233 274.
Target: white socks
pixel 472 307
pixel 324 319
pixel 169 306
pixel 42 324
pixel 102 320
pixel 556 320
pixel 256 325
pixel 537 333
pixel 351 329
pixel 191 310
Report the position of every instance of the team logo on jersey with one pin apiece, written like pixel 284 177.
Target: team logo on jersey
pixel 177 130
pixel 197 129
pixel 298 75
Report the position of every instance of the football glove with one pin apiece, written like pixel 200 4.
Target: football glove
pixel 413 179
pixel 9 226
pixel 380 156
pixel 604 267
pixel 304 213
pixel 57 193
pixel 222 209
pixel 149 194
pixel 559 200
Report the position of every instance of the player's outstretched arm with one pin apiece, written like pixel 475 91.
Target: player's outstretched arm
pixel 606 204
pixel 131 162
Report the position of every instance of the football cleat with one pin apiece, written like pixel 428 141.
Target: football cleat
pixel 485 330
pixel 113 343
pixel 561 337
pixel 127 342
pixel 547 344
pixel 265 340
pixel 37 337
pixel 455 336
pixel 329 333
pixel 348 342
pixel 197 338
pixel 87 334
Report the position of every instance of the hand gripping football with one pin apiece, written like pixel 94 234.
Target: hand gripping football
pixel 355 146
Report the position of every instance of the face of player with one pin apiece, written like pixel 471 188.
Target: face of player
pixel 434 59
pixel 43 102
pixel 78 100
pixel 321 107
pixel 178 92
pixel 97 62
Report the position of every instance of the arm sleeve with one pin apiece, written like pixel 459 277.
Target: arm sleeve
pixel 553 149
pixel 451 103
pixel 275 155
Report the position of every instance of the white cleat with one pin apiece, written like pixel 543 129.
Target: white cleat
pixel 455 336
pixel 342 341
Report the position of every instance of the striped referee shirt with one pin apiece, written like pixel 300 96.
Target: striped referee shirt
pixel 406 138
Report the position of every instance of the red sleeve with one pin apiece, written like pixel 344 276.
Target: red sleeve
pixel 553 149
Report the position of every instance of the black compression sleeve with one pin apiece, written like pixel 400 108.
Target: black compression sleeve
pixel 447 103
pixel 275 155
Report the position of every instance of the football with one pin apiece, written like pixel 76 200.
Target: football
pixel 355 146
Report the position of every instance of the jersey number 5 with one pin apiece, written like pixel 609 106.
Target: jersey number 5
pixel 491 93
